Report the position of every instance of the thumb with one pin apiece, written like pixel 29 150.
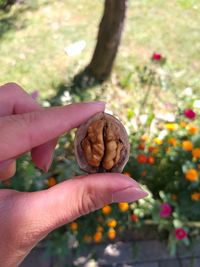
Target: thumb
pixel 71 199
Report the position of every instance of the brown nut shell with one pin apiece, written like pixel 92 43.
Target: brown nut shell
pixel 101 144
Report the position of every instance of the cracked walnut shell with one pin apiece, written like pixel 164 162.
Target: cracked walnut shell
pixel 101 144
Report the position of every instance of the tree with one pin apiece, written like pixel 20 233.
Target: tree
pixel 108 40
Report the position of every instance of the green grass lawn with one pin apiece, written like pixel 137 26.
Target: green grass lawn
pixel 33 38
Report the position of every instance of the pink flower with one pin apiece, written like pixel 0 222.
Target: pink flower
pixel 35 94
pixel 165 210
pixel 190 114
pixel 180 233
pixel 157 57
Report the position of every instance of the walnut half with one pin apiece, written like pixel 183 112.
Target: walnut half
pixel 101 145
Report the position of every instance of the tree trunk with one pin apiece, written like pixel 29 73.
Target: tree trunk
pixel 109 36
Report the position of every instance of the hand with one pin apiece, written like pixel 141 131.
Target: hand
pixel 26 218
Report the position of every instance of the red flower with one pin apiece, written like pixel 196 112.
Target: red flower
pixel 190 114
pixel 141 158
pixel 180 233
pixel 151 149
pixel 151 160
pixel 134 218
pixel 165 210
pixel 157 57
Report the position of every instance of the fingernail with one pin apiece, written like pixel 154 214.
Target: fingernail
pixel 129 194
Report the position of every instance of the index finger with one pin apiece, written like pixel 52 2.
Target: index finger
pixel 22 132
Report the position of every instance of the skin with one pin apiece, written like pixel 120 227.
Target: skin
pixel 26 218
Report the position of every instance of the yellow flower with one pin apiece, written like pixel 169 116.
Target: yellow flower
pixel 73 226
pixel 171 126
pixel 87 238
pixel 158 141
pixel 51 181
pixel 123 206
pixel 195 196
pixel 187 145
pixel 112 223
pixel 191 175
pixel 196 152
pixel 99 229
pixel 192 129
pixel 111 233
pixel 172 141
pixel 97 237
pixel 106 210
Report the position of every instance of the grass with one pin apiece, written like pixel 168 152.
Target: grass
pixel 33 38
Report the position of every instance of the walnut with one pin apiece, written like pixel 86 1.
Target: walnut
pixel 101 144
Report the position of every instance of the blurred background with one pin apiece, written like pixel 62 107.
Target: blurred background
pixel 143 59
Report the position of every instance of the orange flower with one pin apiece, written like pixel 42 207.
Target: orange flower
pixel 151 160
pixel 191 175
pixel 52 181
pixel 106 210
pixel 87 238
pixel 195 196
pixel 134 218
pixel 158 141
pixel 183 124
pixel 187 145
pixel 144 138
pixel 123 206
pixel 111 233
pixel 172 141
pixel 171 126
pixel 141 158
pixel 73 226
pixel 99 229
pixel 112 223
pixel 143 173
pixel 192 129
pixel 127 174
pixel 97 237
pixel 174 197
pixel 141 146
pixel 196 152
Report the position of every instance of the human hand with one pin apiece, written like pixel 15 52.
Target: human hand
pixel 26 218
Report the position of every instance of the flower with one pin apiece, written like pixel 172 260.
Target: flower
pixel 174 197
pixel 143 173
pixel 165 210
pixel 111 233
pixel 99 229
pixel 180 233
pixel 172 141
pixel 190 114
pixel 191 175
pixel 187 145
pixel 151 149
pixel 141 146
pixel 183 124
pixel 196 152
pixel 144 138
pixel 87 238
pixel 192 129
pixel 106 210
pixel 51 181
pixel 73 226
pixel 97 237
pixel 134 218
pixel 195 196
pixel 141 158
pixel 123 206
pixel 157 56
pixel 35 94
pixel 151 160
pixel 171 126
pixel 112 223
pixel 158 141
pixel 127 174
